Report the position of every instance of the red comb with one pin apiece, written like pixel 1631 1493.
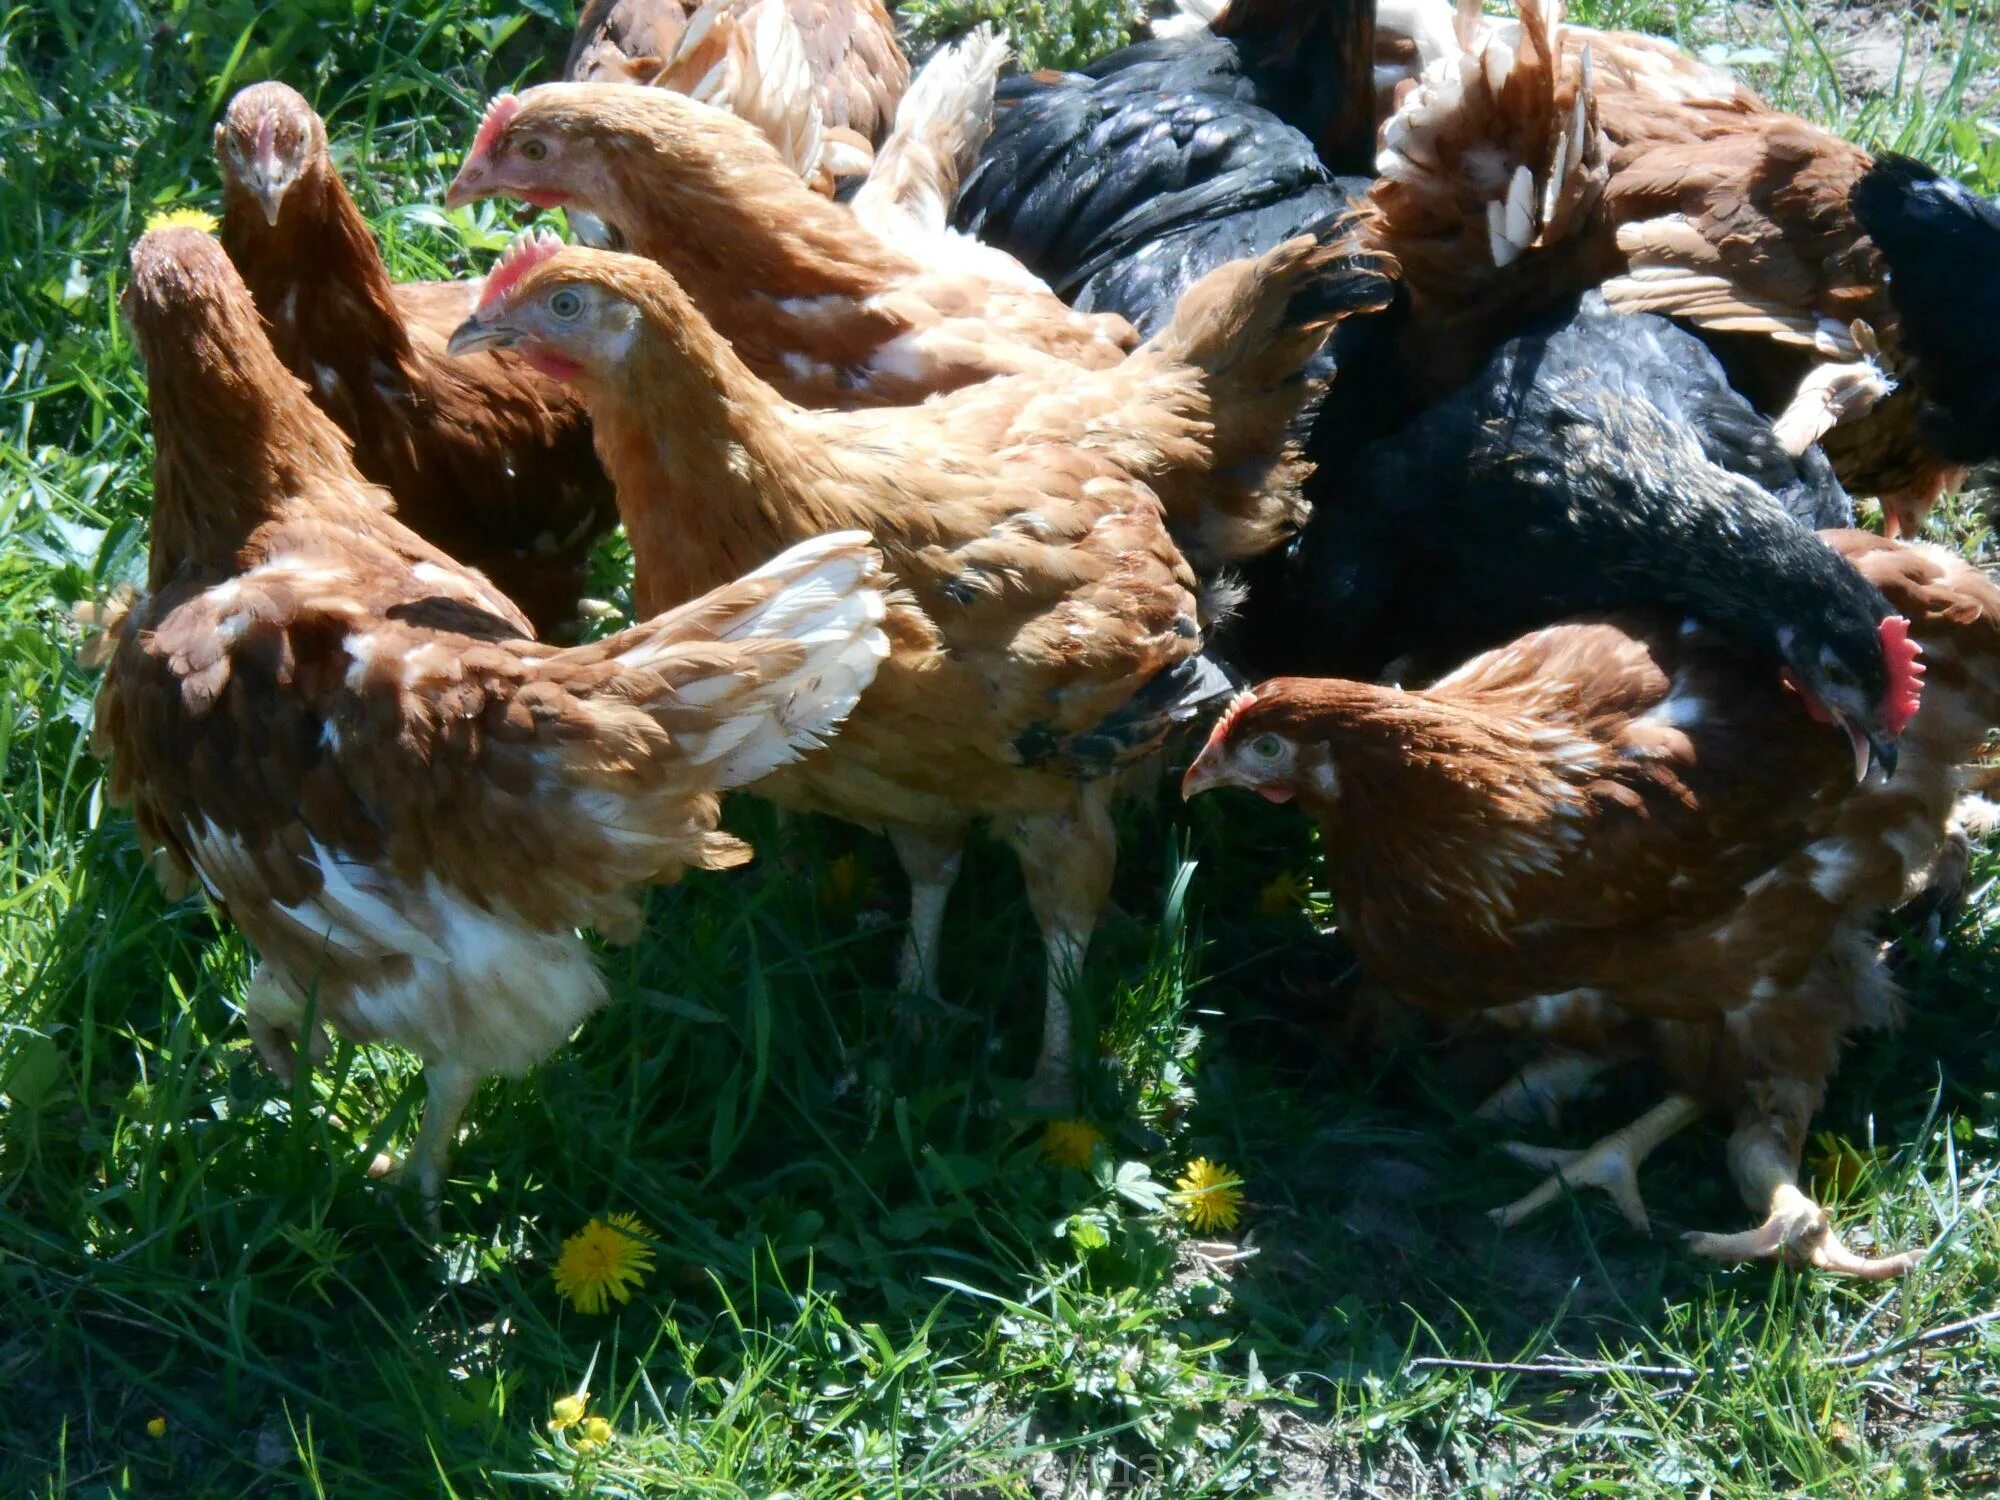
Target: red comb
pixel 527 252
pixel 1230 715
pixel 499 115
pixel 1906 674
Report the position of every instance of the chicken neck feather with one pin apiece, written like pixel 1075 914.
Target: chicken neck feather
pixel 732 474
pixel 236 432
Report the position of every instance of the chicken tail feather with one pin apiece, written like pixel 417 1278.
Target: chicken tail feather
pixel 940 125
pixel 1494 160
pixel 1318 57
pixel 1253 328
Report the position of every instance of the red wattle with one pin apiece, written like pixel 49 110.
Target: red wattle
pixel 555 366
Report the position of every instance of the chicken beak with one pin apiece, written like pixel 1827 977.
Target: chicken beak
pixel 270 197
pixel 473 335
pixel 467 186
pixel 1204 775
pixel 1884 751
pixel 269 178
pixel 1871 749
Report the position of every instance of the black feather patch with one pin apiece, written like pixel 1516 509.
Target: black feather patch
pixel 1942 243
pixel 1177 696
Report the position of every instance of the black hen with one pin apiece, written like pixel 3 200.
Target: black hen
pixel 1600 462
pixel 1125 183
pixel 1942 244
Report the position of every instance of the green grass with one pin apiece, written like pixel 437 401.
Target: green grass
pixel 867 1280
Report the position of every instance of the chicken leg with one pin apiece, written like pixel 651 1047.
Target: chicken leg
pixel 1067 860
pixel 1542 1088
pixel 1612 1164
pixel 930 858
pixel 450 1089
pixel 1764 1159
pixel 273 1016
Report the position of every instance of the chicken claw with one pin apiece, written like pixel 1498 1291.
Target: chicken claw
pixel 1799 1232
pixel 1612 1164
pixel 1796 1229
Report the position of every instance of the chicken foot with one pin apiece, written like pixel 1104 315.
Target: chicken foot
pixel 1796 1229
pixel 1612 1164
pixel 1542 1088
pixel 1067 860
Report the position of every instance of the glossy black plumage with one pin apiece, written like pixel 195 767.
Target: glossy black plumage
pixel 1124 183
pixel 1597 463
pixel 1942 243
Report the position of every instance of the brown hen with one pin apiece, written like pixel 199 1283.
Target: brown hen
pixel 486 458
pixel 1623 836
pixel 830 315
pixel 1055 629
pixel 823 308
pixel 407 805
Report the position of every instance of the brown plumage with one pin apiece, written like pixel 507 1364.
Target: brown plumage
pixel 1625 836
pixel 817 304
pixel 858 68
pixel 830 315
pixel 1054 631
pixel 1734 217
pixel 407 805
pixel 487 458
pixel 1710 206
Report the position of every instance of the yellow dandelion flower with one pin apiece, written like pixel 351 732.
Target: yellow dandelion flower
pixel 1071 1143
pixel 183 218
pixel 1210 1196
pixel 1287 892
pixel 605 1259
pixel 568 1411
pixel 157 1428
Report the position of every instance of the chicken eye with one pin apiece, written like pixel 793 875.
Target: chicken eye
pixel 534 150
pixel 1267 747
pixel 566 303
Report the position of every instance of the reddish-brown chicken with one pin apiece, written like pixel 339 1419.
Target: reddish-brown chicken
pixel 832 316
pixel 1735 217
pixel 484 457
pixel 1058 635
pixel 1624 836
pixel 824 309
pixel 408 806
